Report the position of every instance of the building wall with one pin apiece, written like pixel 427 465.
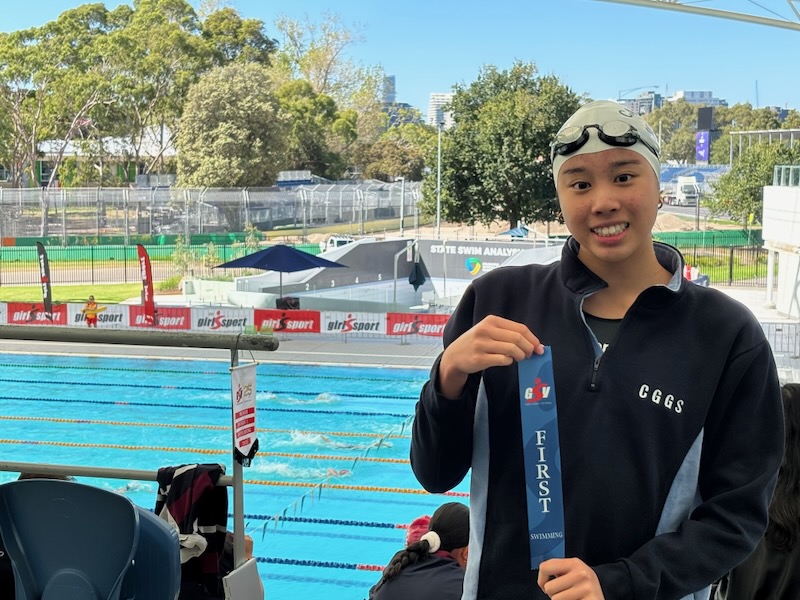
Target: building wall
pixel 781 235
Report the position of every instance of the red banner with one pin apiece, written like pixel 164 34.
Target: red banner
pixel 44 277
pixel 24 313
pixel 146 272
pixel 169 317
pixel 287 321
pixel 415 324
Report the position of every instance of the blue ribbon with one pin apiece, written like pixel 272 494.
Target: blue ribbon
pixel 542 453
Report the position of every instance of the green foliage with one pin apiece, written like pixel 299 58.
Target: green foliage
pixel 496 160
pixel 170 284
pixel 739 192
pixel 211 256
pixel 400 152
pixel 183 256
pixel 252 237
pixel 676 125
pixel 232 133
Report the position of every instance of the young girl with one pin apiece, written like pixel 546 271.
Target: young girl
pixel 668 400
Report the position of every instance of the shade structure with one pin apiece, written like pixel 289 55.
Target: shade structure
pixel 280 258
pixel 516 232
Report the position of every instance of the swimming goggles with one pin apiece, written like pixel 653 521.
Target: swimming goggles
pixel 613 133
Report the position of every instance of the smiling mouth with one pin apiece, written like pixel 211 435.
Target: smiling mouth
pixel 610 231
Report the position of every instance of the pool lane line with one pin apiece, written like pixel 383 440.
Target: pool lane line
pixel 201 426
pixel 181 372
pixel 196 388
pixel 201 450
pixel 358 413
pixel 341 486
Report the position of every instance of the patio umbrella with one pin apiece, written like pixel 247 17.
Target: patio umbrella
pixel 281 258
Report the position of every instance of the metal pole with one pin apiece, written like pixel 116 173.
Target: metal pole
pixel 439 183
pixel 238 491
pixel 402 202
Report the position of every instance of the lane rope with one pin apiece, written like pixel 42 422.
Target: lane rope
pixel 199 426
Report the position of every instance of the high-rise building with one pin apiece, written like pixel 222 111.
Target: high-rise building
pixel 436 109
pixel 389 90
pixel 644 103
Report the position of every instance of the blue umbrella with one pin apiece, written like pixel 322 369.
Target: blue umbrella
pixel 281 258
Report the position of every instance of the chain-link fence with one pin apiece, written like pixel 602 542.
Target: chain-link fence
pixel 97 212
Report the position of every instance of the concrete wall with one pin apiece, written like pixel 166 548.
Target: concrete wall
pixel 781 235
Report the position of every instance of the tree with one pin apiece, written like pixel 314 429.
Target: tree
pixel 676 125
pixel 235 39
pixel 740 192
pixel 400 152
pixel 314 120
pixel 318 53
pixel 231 132
pixel 496 159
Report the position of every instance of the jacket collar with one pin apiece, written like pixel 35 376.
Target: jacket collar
pixel 579 279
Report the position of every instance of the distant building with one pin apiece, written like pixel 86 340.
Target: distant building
pixel 401 113
pixel 644 103
pixel 389 90
pixel 702 98
pixel 781 113
pixel 436 109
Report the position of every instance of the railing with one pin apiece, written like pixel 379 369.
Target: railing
pixel 234 343
pixel 786 175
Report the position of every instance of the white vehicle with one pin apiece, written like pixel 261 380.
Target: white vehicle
pixel 685 193
pixel 335 240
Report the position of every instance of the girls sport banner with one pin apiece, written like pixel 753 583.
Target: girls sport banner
pixel 146 272
pixel 44 277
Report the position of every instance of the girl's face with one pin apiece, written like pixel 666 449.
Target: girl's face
pixel 609 200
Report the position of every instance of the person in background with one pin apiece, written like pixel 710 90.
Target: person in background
pixel 90 310
pixel 431 568
pixel 773 570
pixel 667 396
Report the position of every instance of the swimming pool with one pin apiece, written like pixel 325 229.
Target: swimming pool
pixel 344 428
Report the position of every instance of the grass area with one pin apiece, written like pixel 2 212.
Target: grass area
pixel 111 293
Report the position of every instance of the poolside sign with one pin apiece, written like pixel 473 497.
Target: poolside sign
pixel 243 403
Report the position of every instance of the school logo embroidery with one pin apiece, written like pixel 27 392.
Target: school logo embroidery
pixel 539 391
pixel 473 265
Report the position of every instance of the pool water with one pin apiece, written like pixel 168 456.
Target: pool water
pixel 333 459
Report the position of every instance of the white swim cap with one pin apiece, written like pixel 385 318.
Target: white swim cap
pixel 584 131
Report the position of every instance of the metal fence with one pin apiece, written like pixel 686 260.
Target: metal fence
pixel 98 212
pixel 89 264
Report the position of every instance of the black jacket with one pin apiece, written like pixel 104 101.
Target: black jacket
pixel 434 578
pixel 670 440
pixel 767 573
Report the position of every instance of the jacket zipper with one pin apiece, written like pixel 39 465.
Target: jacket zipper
pixel 595 368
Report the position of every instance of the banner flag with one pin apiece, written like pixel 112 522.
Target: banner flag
pixel 44 277
pixel 542 458
pixel 146 272
pixel 243 403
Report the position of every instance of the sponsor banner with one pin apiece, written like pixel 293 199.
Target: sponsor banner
pixel 44 276
pixel 169 317
pixel 146 275
pixel 287 321
pixel 415 324
pixel 229 320
pixel 353 322
pixel 243 403
pixel 115 316
pixel 26 313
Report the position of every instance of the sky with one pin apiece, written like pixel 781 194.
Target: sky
pixel 600 49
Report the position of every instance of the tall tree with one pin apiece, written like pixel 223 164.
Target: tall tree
pixel 676 125
pixel 232 38
pixel 314 119
pixel 740 192
pixel 496 159
pixel 232 133
pixel 400 152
